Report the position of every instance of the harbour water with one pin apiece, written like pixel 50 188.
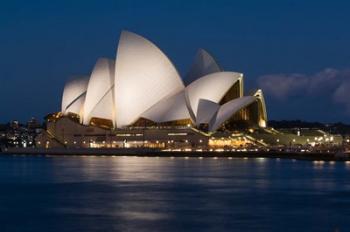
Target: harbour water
pixel 172 194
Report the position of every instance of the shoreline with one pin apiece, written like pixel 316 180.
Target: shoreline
pixel 141 152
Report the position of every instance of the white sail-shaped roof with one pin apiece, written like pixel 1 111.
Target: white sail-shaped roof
pixel 211 87
pixel 203 64
pixel 206 111
pixel 99 100
pixel 104 109
pixel 74 95
pixel 263 117
pixel 168 109
pixel 228 109
pixel 143 76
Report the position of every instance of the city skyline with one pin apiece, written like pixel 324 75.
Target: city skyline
pixel 300 47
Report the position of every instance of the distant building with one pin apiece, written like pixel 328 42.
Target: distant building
pixel 14 124
pixel 33 124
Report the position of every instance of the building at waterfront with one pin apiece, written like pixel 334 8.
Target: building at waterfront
pixel 142 84
pixel 140 100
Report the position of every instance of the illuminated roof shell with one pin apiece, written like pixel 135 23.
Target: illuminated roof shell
pixel 172 108
pixel 203 65
pixel 99 102
pixel 228 109
pixel 74 95
pixel 211 87
pixel 206 111
pixel 143 77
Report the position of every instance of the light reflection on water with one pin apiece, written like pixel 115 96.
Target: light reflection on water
pixel 172 194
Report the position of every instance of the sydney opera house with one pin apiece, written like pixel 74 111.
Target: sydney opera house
pixel 140 100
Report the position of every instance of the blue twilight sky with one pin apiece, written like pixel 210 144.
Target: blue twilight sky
pixel 297 51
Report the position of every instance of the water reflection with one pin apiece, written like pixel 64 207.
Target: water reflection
pixel 172 194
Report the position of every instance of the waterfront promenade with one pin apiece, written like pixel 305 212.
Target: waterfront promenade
pixel 314 156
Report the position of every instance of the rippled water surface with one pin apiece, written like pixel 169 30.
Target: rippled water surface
pixel 164 194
